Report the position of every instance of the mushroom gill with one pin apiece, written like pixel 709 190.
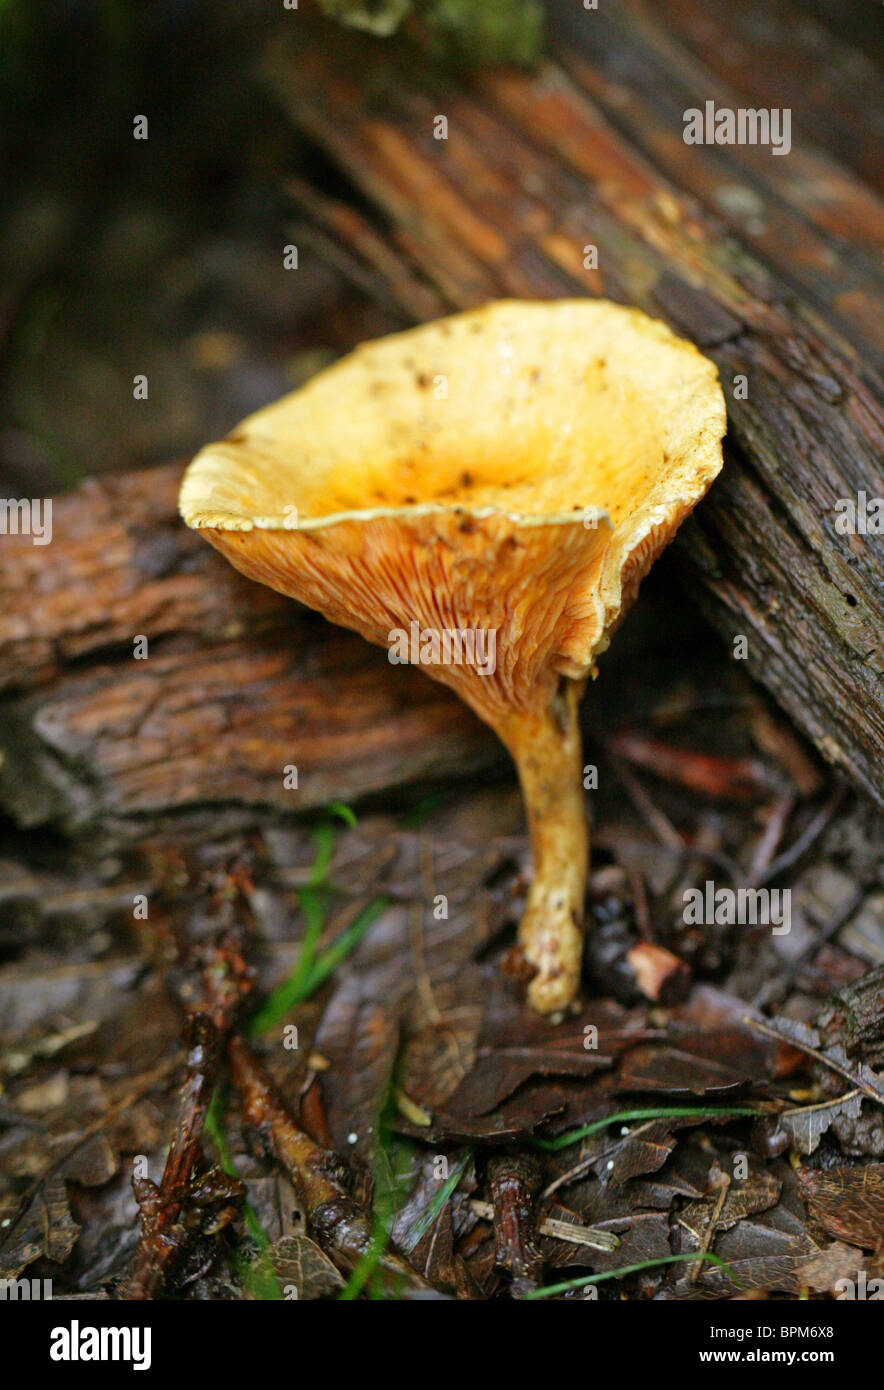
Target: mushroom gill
pixel 493 485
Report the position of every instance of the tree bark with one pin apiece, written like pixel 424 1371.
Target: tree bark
pixel 770 264
pixel 237 684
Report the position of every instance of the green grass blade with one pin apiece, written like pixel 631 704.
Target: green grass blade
pixel 672 1112
pixel 416 1233
pixel 293 989
pixel 550 1290
pixel 332 956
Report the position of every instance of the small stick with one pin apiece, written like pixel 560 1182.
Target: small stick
pixel 805 840
pixel 171 1212
pixel 571 1231
pixel 711 774
pixel 856 1078
pixel 660 976
pixel 660 823
pixel 777 821
pixel 723 1185
pixel 778 987
pixel 318 1175
pixel 515 1183
pixel 166 1210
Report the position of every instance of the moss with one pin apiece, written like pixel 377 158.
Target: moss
pixel 471 32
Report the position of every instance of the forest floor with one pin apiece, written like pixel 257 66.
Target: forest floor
pixel 709 1124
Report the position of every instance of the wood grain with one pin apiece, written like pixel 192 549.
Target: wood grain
pixel 239 682
pixel 771 264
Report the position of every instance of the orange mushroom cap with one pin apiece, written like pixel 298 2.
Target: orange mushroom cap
pixel 512 470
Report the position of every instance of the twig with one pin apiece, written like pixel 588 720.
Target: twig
pixel 856 1078
pixel 571 1231
pixel 807 838
pixel 711 1227
pixel 778 987
pixel 777 820
pixel 318 1175
pixel 176 1210
pixel 515 1182
pixel 710 774
pixel 587 1162
pixel 660 824
pixel 192 1197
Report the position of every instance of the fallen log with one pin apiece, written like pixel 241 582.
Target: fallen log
pixel 575 179
pixel 236 684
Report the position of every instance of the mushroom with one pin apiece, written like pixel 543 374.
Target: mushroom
pixel 506 477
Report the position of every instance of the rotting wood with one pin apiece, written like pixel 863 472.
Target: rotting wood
pixel 588 151
pixel 239 683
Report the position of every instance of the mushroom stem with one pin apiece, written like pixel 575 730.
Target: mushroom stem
pixel 547 751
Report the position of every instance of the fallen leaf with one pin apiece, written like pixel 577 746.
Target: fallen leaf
pixel 45 1230
pixel 807 1125
pixel 756 1193
pixel 848 1202
pixel 838 1261
pixel 299 1263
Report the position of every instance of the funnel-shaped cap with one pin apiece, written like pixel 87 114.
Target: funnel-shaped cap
pixel 507 475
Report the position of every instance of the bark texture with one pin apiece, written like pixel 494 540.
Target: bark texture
pixel 238 683
pixel 770 263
